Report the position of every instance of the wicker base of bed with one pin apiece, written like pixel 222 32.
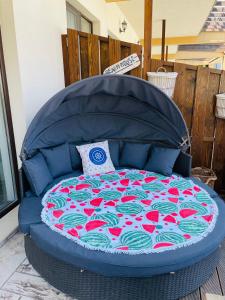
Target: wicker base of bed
pixel 85 285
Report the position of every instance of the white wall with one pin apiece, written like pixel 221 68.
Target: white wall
pixel 39 25
pixel 12 70
pixel 106 18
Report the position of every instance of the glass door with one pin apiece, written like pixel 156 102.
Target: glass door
pixel 8 180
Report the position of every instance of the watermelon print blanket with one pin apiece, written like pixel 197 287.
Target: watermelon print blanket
pixel 130 211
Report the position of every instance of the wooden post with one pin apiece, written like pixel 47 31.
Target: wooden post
pixel 167 52
pixel 147 37
pixel 163 39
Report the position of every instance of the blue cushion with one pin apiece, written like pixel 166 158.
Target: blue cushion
pixel 114 149
pixel 29 213
pixel 58 160
pixel 162 160
pixel 75 157
pixel 37 173
pixel 134 155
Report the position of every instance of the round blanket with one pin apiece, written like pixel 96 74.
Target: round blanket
pixel 130 211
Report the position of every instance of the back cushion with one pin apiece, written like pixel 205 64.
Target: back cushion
pixel 75 157
pixel 162 160
pixel 58 160
pixel 134 155
pixel 114 149
pixel 37 173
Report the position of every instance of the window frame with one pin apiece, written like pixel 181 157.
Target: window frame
pixel 11 138
pixel 73 10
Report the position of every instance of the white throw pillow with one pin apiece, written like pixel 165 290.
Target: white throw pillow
pixel 96 158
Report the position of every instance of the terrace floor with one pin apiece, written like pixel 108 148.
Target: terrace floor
pixel 19 281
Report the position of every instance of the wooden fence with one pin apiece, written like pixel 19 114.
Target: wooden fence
pixel 87 55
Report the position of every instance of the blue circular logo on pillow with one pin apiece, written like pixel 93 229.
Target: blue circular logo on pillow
pixel 97 156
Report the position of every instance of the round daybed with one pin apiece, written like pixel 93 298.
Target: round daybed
pixel 120 109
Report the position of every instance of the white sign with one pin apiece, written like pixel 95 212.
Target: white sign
pixel 125 65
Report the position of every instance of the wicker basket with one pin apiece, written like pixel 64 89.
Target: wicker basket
pixel 163 80
pixel 220 106
pixel 206 175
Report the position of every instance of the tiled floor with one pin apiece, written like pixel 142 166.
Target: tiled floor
pixel 19 281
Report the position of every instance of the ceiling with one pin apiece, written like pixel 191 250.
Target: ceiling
pixel 183 17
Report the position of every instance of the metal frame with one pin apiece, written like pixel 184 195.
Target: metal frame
pixel 10 131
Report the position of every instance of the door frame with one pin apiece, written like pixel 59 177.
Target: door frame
pixel 10 131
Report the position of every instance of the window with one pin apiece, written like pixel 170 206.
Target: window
pixel 75 20
pixel 8 165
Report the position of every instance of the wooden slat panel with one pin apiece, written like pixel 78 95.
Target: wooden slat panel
pixel 209 124
pixel 84 56
pixel 185 91
pixel 125 51
pixel 219 153
pixel 65 59
pixel 199 115
pixel 73 54
pixel 114 51
pixel 137 49
pixel 155 64
pixel 104 55
pixel 211 286
pixel 93 55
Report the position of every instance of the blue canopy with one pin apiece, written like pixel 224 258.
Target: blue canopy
pixel 114 107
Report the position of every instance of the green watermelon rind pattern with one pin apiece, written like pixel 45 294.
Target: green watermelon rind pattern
pixel 72 220
pixel 136 240
pixel 193 227
pixel 110 177
pixel 129 208
pixel 164 207
pixel 95 239
pixel 95 183
pixel 193 205
pixel 203 197
pixel 109 195
pixel 80 196
pixel 70 182
pixel 181 184
pixel 58 201
pixel 153 187
pixel 141 195
pixel 171 237
pixel 134 176
pixel 111 219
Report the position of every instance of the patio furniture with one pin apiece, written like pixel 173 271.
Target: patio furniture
pixel 119 109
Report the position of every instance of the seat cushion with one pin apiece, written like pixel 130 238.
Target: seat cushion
pixel 134 155
pixel 29 213
pixel 140 265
